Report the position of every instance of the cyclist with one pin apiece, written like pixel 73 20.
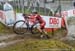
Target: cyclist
pixel 38 19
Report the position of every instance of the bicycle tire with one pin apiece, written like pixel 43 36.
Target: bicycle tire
pixel 34 29
pixel 20 30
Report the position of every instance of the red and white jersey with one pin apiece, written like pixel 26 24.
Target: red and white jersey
pixel 39 18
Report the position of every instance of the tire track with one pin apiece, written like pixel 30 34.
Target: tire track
pixel 7 40
pixel 5 37
pixel 5 44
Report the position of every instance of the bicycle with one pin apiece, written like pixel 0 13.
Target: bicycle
pixel 23 26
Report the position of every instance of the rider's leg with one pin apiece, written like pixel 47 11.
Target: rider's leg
pixel 42 27
pixel 39 28
pixel 43 30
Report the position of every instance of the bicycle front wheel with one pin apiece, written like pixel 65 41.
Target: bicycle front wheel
pixel 20 27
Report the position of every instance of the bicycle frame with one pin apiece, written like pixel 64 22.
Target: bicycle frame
pixel 29 21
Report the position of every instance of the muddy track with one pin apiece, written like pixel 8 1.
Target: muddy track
pixel 6 40
pixel 5 37
pixel 9 36
pixel 5 44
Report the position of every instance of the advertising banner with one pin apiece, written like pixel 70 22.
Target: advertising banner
pixel 55 22
pixel 51 22
pixel 9 13
pixel 2 17
pixel 10 17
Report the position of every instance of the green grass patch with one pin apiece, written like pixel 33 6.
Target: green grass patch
pixel 4 29
pixel 39 45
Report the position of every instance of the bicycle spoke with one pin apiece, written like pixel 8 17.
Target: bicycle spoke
pixel 20 27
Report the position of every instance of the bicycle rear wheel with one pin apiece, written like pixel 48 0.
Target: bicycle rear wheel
pixel 34 29
pixel 20 27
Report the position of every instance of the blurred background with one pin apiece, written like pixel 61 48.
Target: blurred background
pixel 44 7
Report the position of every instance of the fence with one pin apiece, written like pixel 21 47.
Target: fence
pixel 42 6
pixel 25 6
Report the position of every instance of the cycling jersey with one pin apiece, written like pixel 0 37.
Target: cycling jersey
pixel 40 20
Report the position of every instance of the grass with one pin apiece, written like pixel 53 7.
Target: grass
pixel 32 44
pixel 4 29
pixel 39 45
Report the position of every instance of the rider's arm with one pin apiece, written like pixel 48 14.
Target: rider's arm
pixel 30 17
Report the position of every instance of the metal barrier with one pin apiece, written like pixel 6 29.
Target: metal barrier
pixel 25 6
pixel 46 8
